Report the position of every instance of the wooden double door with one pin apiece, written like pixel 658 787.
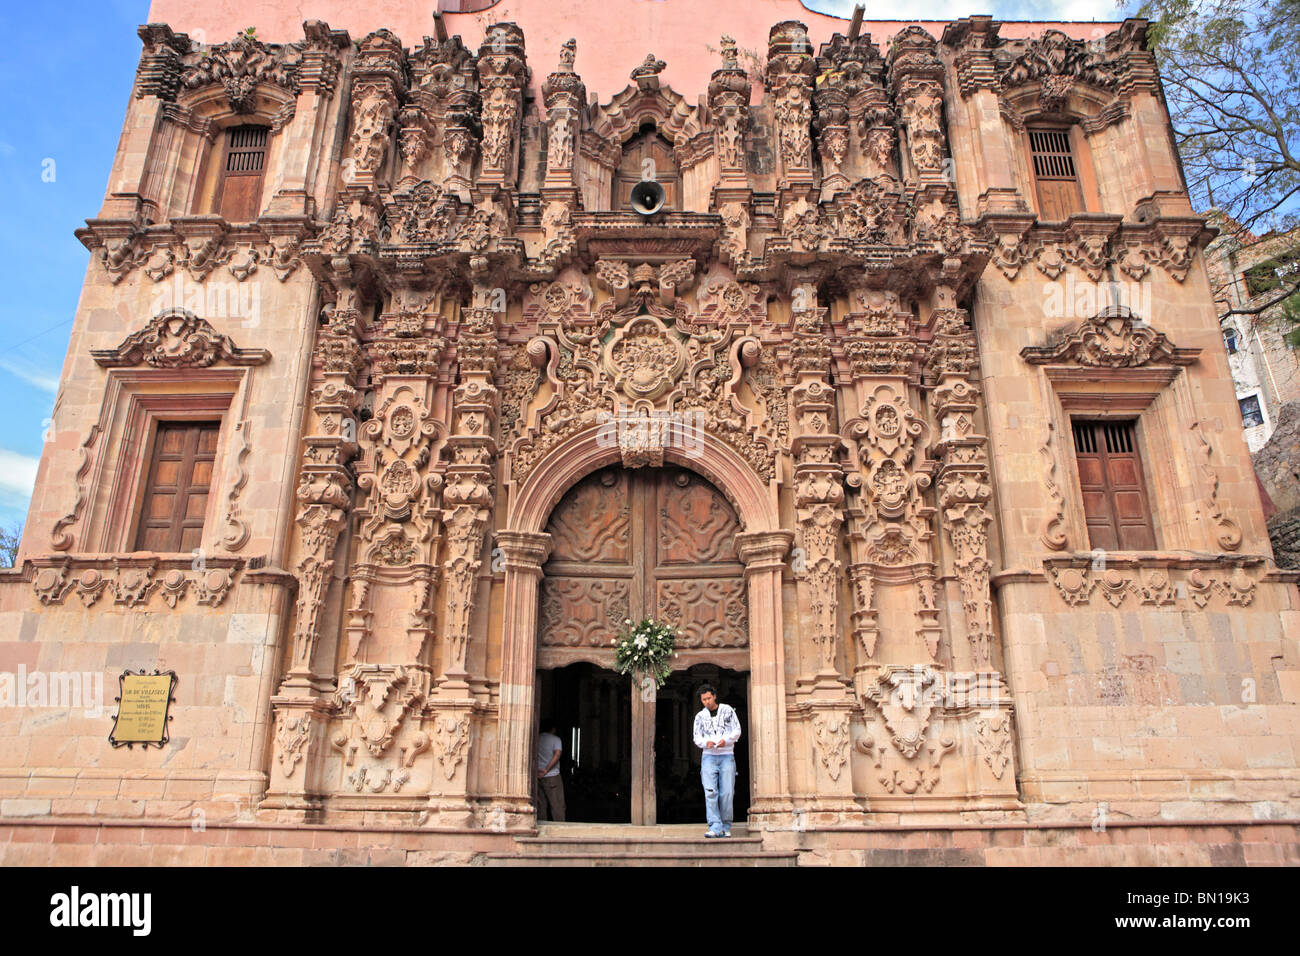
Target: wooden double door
pixel 625 545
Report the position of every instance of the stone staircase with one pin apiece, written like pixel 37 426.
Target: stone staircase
pixel 613 844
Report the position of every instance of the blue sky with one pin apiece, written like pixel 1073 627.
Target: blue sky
pixel 65 76
pixel 63 92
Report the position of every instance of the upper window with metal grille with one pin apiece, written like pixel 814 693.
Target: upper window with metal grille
pixel 1055 174
pixel 243 169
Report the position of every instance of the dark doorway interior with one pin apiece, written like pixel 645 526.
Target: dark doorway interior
pixel 592 708
pixel 679 793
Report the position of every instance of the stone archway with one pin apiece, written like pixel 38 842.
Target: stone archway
pixel 635 543
pixel 525 546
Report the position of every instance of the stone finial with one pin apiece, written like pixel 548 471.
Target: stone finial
pixel 730 56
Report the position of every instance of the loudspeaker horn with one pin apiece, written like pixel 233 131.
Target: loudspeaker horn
pixel 647 197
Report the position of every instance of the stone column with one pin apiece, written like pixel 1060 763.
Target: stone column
pixel 791 70
pixel 916 78
pixel 565 97
pixel 467 491
pixel 304 138
pixel 729 92
pixel 818 488
pixel 324 498
pixel 964 483
pixel 378 83
pixel 974 40
pixel 503 75
pixel 524 554
pixel 764 554
pixel 157 80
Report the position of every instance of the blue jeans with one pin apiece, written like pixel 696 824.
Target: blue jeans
pixel 718 774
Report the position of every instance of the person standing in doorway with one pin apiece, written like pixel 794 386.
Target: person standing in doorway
pixel 550 788
pixel 717 728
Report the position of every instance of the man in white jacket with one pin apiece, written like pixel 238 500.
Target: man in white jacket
pixel 716 731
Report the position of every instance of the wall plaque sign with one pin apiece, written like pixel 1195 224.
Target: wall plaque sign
pixel 142 712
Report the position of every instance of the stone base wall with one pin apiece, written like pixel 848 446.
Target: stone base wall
pixel 69 843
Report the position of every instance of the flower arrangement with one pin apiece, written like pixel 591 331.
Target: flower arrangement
pixel 646 649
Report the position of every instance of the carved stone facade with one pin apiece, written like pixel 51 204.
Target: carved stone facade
pixel 480 411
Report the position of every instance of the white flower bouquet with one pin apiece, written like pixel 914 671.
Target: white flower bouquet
pixel 646 649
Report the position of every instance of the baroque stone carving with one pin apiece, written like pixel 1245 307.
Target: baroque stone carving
pixel 1114 338
pixel 240 65
pixel 177 338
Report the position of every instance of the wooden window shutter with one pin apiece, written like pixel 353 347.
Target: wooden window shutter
pixel 243 167
pixel 176 491
pixel 1114 496
pixel 1055 175
pixel 649 145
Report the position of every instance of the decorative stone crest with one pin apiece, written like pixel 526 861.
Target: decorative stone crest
pixel 178 339
pixel 1114 338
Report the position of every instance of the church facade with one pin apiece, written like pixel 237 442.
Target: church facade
pixel 878 359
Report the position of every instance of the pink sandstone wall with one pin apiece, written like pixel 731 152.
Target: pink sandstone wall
pixel 614 35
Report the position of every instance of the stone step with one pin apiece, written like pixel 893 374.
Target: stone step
pixel 615 844
pixel 682 846
pixel 757 858
pixel 684 831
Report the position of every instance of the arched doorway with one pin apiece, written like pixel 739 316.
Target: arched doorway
pixel 627 544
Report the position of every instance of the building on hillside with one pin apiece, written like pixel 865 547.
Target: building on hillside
pixel 880 359
pixel 1249 275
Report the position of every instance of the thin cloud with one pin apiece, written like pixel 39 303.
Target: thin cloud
pixel 34 377
pixel 17 478
pixel 1052 10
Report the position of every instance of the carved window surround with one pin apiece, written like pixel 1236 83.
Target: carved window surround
pixel 1159 399
pixel 620 120
pixel 135 400
pixel 1080 150
pixel 183 168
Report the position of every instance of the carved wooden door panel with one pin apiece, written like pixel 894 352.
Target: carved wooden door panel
pixel 693 572
pixel 632 544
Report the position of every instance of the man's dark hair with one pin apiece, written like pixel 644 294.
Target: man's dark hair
pixel 546 725
pixel 705 689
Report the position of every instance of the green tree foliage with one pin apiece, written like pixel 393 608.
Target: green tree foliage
pixel 1231 75
pixel 1231 72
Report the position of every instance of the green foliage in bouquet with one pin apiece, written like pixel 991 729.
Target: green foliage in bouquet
pixel 646 649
